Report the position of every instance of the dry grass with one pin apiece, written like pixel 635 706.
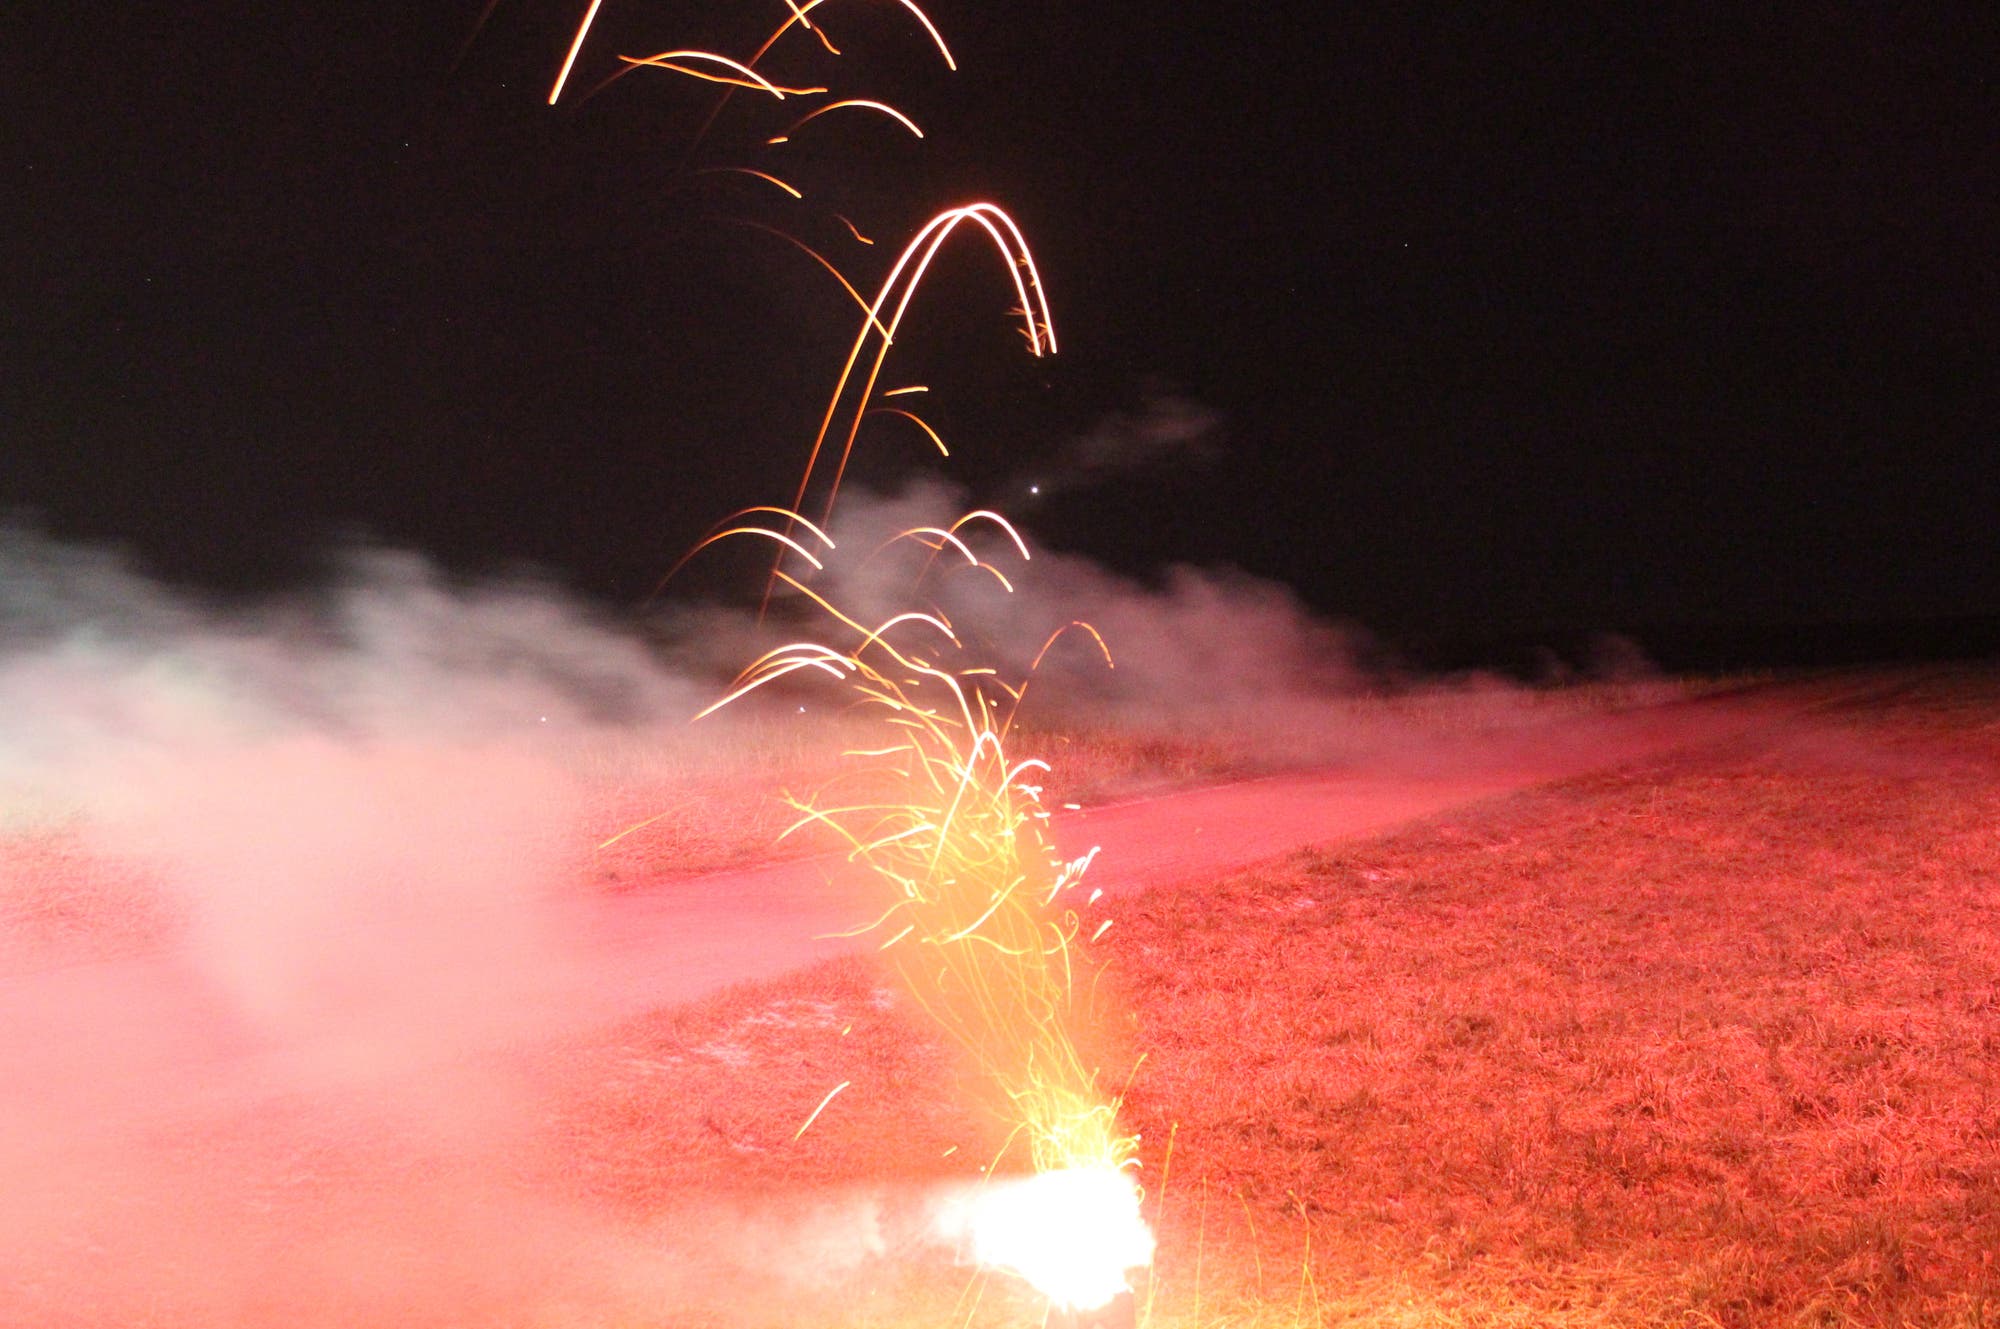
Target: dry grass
pixel 61 900
pixel 1711 1043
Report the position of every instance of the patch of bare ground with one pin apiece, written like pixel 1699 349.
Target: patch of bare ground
pixel 62 900
pixel 785 1143
pixel 1711 1042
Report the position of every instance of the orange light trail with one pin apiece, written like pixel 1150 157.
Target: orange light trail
pixel 856 232
pixel 917 420
pixel 1039 326
pixel 943 538
pixel 746 170
pixel 582 31
pixel 821 1108
pixel 799 13
pixel 792 522
pixel 1007 527
pixel 819 258
pixel 862 102
pixel 798 18
pixel 749 78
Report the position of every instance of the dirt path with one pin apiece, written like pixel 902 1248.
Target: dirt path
pixel 687 937
pixel 118 1031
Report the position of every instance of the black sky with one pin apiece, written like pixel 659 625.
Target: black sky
pixel 1513 316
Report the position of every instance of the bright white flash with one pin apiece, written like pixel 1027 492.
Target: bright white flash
pixel 1073 1234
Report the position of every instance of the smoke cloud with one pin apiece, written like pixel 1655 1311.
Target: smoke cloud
pixel 288 908
pixel 1196 642
pixel 276 903
pixel 285 891
pixel 1166 429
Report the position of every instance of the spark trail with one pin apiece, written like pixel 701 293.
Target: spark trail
pixel 979 917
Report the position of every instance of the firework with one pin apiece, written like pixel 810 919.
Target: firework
pixel 979 916
pixel 1037 324
pixel 981 922
pixel 799 13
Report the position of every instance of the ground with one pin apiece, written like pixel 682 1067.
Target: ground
pixel 1708 1037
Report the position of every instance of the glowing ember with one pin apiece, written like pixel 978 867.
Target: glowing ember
pixel 1073 1234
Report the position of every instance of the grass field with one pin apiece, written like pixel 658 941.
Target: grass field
pixel 1711 1042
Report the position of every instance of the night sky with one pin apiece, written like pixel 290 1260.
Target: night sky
pixel 1508 318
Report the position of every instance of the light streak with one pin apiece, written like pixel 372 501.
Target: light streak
pixel 640 826
pixel 901 284
pixel 747 77
pixel 863 102
pixel 766 176
pixel 582 31
pixel 1007 527
pixel 831 1095
pixel 800 12
pixel 856 232
pixel 779 536
pixel 798 18
pixel 918 420
pixel 944 538
pixel 818 258
pixel 792 522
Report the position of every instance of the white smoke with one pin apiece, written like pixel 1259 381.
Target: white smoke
pixel 286 897
pixel 1195 640
pixel 279 897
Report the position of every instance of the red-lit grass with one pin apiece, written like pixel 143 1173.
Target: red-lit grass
pixel 1715 1041
pixel 60 899
pixel 1710 1041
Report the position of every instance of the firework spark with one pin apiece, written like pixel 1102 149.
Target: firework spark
pixel 798 19
pixel 979 918
pixel 862 102
pixel 735 73
pixel 981 923
pixel 1038 325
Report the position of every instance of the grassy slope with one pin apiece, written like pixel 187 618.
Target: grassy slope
pixel 1714 1043
pixel 1705 1043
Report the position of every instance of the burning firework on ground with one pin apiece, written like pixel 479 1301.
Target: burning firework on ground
pixel 982 926
pixel 980 920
